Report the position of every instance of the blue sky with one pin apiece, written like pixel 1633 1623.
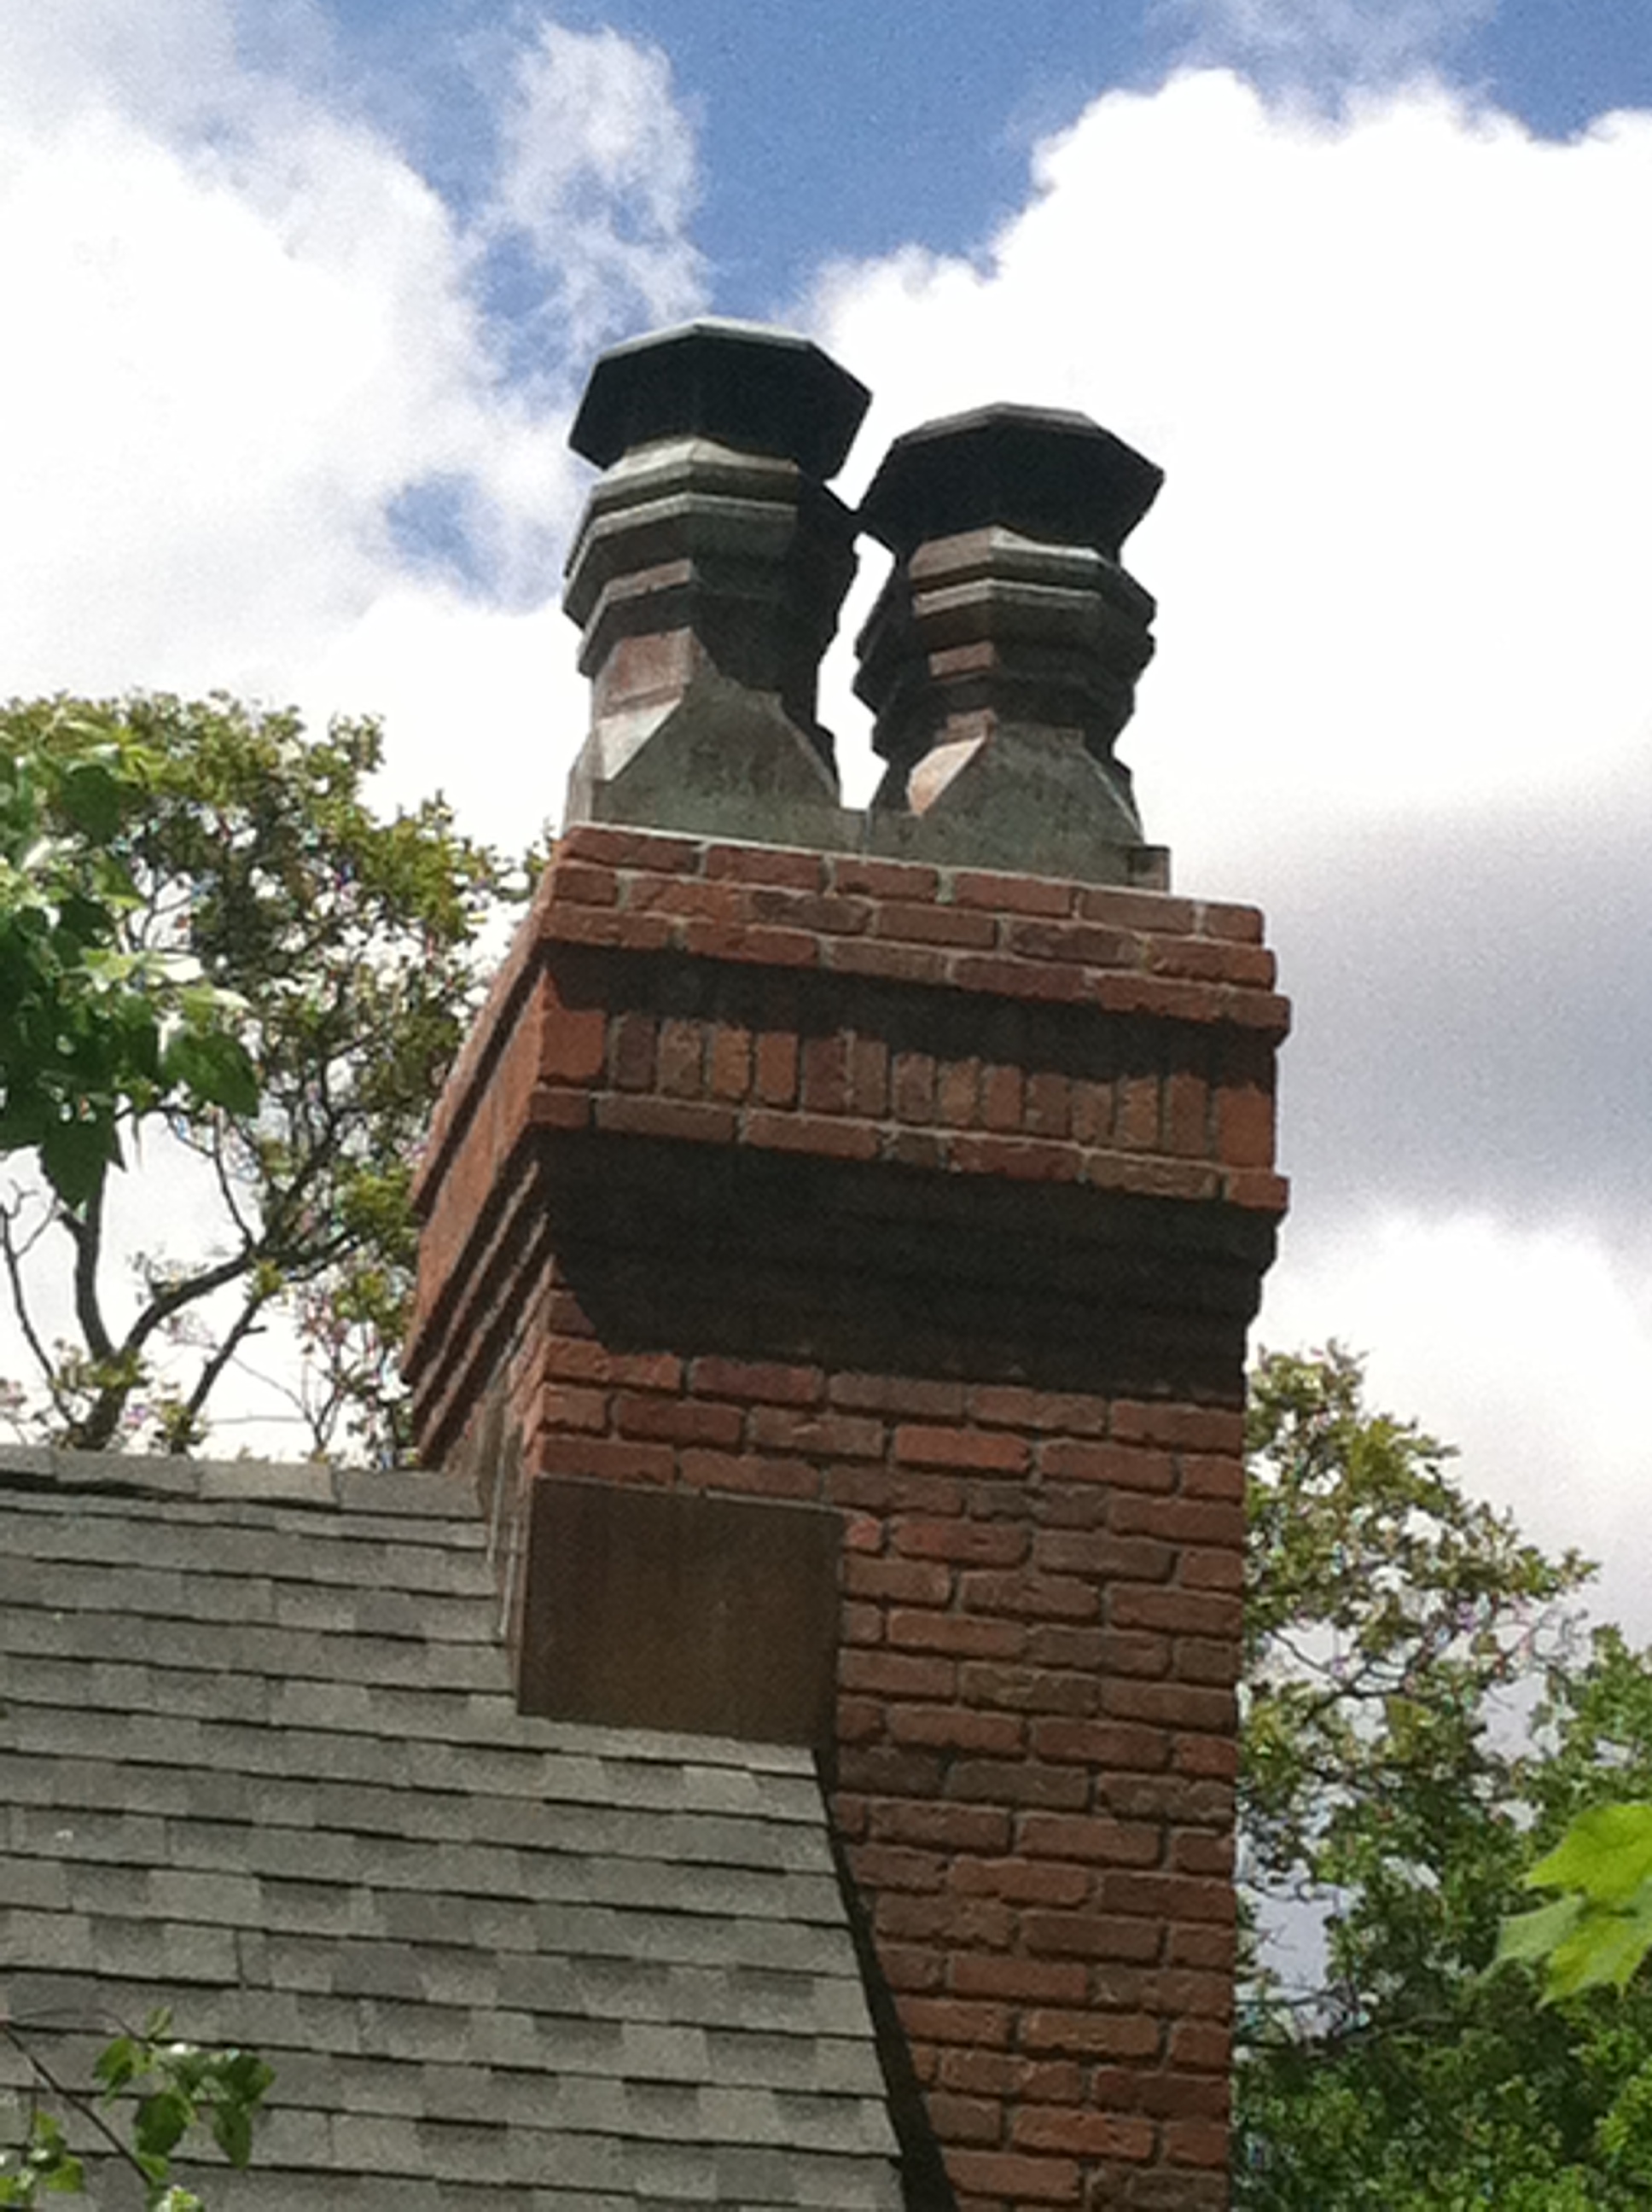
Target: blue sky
pixel 302 292
pixel 847 127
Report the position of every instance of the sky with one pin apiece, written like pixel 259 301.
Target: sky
pixel 301 294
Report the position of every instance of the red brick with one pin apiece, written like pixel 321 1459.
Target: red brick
pixel 677 1420
pixel 897 1674
pixel 1004 894
pixel 1181 1612
pixel 1208 1659
pixel 612 1459
pixel 1201 2046
pixel 903 880
pixel 1019 1783
pixel 1090 1838
pixel 573 1409
pixel 684 1120
pixel 923 1446
pixel 1001 1096
pixel 1244 1127
pixel 826 916
pixel 757 1474
pixel 819 1134
pixel 1181 1519
pixel 891 962
pixel 1048 981
pixel 1022 1881
pixel 981 1543
pixel 631 1051
pixel 729 1075
pixel 1093 2035
pixel 883 1489
pixel 1256 1188
pixel 752 941
pixel 771 1382
pixel 776 1078
pixel 1196 2142
pixel 1212 1475
pixel 1215 1755
pixel 1101 1742
pixel 884 1867
pixel 951 2019
pixel 574 1044
pixel 964 2119
pixel 902 1582
pixel 1029 1689
pixel 766 863
pixel 869 1076
pixel 912 1086
pixel 957 1728
pixel 930 924
pixel 819 1433
pixel 957 1089
pixel 628 848
pixel 944 1827
pixel 1170 1705
pixel 682 1056
pixel 1212 1566
pixel 994 2175
pixel 1012 1405
pixel 1048 1107
pixel 915 1396
pixel 959 1633
pixel 825 1084
pixel 1086 2135
pixel 1025 1981
pixel 1090 947
pixel 1057 1597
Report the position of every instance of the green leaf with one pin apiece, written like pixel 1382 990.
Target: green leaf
pixel 214 1067
pixel 75 1156
pixel 162 2120
pixel 1530 1937
pixel 1607 1854
pixel 93 799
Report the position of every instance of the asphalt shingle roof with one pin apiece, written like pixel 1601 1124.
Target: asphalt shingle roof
pixel 260 1759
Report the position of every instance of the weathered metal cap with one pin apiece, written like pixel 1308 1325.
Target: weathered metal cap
pixel 759 389
pixel 1044 471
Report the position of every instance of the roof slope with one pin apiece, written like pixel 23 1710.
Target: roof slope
pixel 260 1759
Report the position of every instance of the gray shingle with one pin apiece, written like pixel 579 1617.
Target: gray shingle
pixel 258 1758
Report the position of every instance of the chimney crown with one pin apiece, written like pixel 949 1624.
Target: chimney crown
pixel 1047 472
pixel 758 389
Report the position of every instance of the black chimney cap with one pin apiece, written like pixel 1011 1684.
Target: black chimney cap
pixel 761 390
pixel 1042 471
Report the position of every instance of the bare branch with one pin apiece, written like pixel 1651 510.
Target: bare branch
pixel 13 1257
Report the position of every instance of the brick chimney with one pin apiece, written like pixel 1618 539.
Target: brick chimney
pixel 841 1234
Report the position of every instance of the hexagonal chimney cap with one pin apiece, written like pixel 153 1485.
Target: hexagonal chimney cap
pixel 761 390
pixel 1044 471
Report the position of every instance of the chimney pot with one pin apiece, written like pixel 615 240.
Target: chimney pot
pixel 1001 659
pixel 707 577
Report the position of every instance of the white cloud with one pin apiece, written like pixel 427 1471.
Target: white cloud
pixel 1395 366
pixel 1324 43
pixel 245 332
pixel 1528 1348
pixel 598 174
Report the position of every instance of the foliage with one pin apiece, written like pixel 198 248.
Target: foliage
pixel 216 943
pixel 173 2087
pixel 1599 1930
pixel 1422 1717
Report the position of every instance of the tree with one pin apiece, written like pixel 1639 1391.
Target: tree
pixel 212 945
pixel 173 2088
pixel 1422 1716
